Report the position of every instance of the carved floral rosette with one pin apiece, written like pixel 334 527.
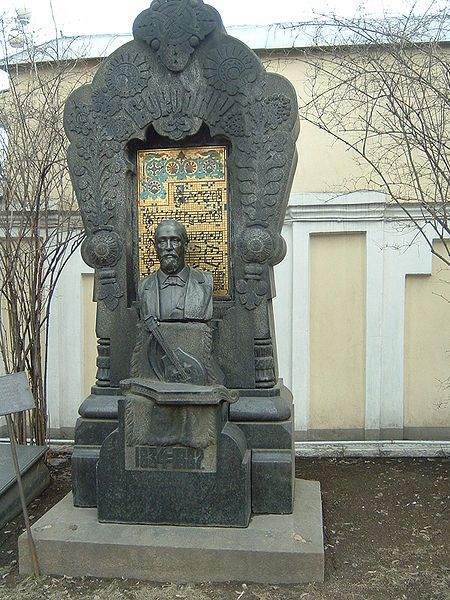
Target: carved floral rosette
pixel 181 72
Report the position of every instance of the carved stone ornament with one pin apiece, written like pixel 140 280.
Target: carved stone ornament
pixel 174 29
pixel 256 245
pixel 102 249
pixel 107 289
pixel 251 292
pixel 231 68
pixel 127 75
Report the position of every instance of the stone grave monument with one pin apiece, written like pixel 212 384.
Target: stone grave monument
pixel 182 154
pixel 184 123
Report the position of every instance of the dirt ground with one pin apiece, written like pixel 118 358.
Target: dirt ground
pixel 386 537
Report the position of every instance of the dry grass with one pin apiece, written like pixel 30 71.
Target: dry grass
pixel 386 538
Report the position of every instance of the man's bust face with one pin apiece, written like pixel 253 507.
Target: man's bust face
pixel 170 248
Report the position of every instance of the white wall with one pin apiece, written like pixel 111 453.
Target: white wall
pixel 67 346
pixel 393 250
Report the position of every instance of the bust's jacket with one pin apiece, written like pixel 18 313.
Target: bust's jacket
pixel 198 304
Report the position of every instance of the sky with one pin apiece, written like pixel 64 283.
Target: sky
pixel 101 16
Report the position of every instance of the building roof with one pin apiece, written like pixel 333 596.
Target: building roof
pixel 278 36
pixel 257 37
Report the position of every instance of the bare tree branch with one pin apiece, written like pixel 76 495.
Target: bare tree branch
pixel 382 89
pixel 39 220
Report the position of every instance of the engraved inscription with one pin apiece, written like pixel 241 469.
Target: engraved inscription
pixel 167 458
pixel 189 185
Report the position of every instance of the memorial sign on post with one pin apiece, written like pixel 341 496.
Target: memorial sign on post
pixel 15 396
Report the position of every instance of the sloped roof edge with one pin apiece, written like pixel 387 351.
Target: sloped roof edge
pixel 278 36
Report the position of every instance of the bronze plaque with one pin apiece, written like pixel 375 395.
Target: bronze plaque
pixel 189 185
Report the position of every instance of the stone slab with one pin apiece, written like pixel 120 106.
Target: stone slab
pixel 35 478
pixel 273 549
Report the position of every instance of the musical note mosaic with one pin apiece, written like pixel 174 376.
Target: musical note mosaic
pixel 189 185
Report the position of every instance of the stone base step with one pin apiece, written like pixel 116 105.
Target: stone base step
pixel 272 549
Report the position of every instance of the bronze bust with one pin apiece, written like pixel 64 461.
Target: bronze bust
pixel 175 304
pixel 173 346
pixel 176 292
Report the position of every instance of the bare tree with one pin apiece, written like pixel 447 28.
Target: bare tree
pixel 39 222
pixel 381 87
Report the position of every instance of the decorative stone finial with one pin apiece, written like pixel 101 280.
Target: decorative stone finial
pixel 174 29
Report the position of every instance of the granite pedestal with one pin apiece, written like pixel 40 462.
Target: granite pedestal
pixel 273 549
pixel 175 458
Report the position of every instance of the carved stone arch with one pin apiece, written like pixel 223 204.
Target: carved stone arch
pixel 176 85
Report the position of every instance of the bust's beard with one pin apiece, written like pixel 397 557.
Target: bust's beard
pixel 170 264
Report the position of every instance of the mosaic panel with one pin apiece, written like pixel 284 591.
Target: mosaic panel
pixel 189 185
